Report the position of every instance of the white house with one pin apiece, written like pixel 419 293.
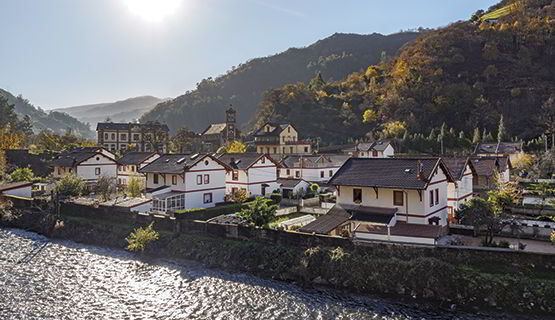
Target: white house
pixel 17 189
pixel 87 163
pixel 177 181
pixel 393 199
pixel 131 162
pixel 254 172
pixel 313 168
pixel 292 187
pixel 376 149
pixel 461 190
pixel 280 138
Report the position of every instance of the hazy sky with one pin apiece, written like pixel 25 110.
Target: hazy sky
pixel 61 53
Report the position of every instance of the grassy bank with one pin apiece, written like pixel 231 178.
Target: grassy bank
pixel 450 277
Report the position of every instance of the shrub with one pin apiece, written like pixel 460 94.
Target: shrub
pixel 314 187
pixel 276 198
pixel 106 187
pixel 141 237
pixel 259 212
pixel 209 213
pixel 135 187
pixel 70 185
pixel 21 174
pixel 504 244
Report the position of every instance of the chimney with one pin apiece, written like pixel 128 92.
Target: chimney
pixel 420 171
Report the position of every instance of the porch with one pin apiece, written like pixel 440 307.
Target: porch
pixel 168 202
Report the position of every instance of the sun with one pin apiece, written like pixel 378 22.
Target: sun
pixel 153 10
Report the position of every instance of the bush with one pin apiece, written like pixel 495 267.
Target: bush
pixel 276 198
pixel 70 185
pixel 259 212
pixel 135 187
pixel 21 175
pixel 504 244
pixel 141 237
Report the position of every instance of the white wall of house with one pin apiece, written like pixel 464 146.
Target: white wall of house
pixel 95 167
pixel 23 191
pixel 126 172
pixel 59 172
pixel 197 193
pixel 310 174
pixel 460 192
pixel 417 206
pixel 252 179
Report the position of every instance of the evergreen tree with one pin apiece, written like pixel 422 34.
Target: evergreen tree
pixel 501 131
pixel 476 137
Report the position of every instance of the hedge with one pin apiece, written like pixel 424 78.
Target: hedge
pixel 209 213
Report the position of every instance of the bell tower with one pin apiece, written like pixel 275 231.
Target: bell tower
pixel 231 133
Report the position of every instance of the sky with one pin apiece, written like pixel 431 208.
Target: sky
pixel 61 53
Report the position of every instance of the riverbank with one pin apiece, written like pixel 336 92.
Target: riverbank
pixel 448 278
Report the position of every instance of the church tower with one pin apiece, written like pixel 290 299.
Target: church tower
pixel 230 122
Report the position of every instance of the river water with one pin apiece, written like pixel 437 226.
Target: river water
pixel 42 278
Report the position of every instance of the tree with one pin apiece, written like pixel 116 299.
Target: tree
pixel 141 237
pixel 135 187
pixel 369 115
pixel 3 164
pixel 259 212
pixel 394 128
pixel 236 147
pixel 548 118
pixel 106 187
pixel 317 82
pixel 7 212
pixel 21 174
pixel 11 121
pixel 501 131
pixel 478 213
pixel 70 185
pixel 10 139
pixel 476 138
pixel 524 162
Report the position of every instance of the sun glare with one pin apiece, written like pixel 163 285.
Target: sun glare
pixel 153 10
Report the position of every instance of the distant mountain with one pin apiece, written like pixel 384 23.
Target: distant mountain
pixel 334 57
pixel 58 122
pixel 119 111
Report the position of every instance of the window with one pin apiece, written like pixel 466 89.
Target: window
pixel 398 198
pixel 288 129
pixel 234 190
pixel 174 179
pixel 357 195
pixel 70 170
pixel 374 153
pixel 119 180
pixel 321 174
pixel 206 179
pixel 431 198
pixel 290 149
pixel 288 172
pixel 263 160
pixel 306 149
pixel 199 179
pixel 105 136
pixel 155 178
pixel 207 198
pixel 113 136
pixel 123 136
pixel 275 150
pixel 284 150
pixel 133 168
pixel 136 136
pixel 297 174
pixel 97 171
pixel 235 175
pixel 437 196
pixel 330 173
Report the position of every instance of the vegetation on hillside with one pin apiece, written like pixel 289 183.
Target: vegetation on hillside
pixel 41 120
pixel 467 75
pixel 243 86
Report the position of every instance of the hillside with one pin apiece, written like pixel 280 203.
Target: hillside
pixel 58 122
pixel 466 75
pixel 119 111
pixel 335 57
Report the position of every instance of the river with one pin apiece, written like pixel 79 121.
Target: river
pixel 42 278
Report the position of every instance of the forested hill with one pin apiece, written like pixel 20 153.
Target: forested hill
pixel 335 57
pixel 466 75
pixel 58 122
pixel 120 111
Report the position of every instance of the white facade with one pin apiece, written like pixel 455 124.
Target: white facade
pixel 459 191
pixel 417 206
pixel 91 169
pixel 126 172
pixel 201 186
pixel 254 179
pixel 388 152
pixel 310 174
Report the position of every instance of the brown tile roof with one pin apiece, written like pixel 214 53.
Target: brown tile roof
pixel 135 157
pixel 498 147
pixel 328 222
pixel 214 128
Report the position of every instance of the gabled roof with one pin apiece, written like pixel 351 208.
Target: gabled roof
pixel 243 160
pixel 314 161
pixel 498 147
pixel 388 172
pixel 278 128
pixel 379 145
pixel 75 156
pixel 457 166
pixel 14 185
pixel 127 126
pixel 289 183
pixel 214 128
pixel 176 163
pixel 484 166
pixel 135 158
pixel 336 148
